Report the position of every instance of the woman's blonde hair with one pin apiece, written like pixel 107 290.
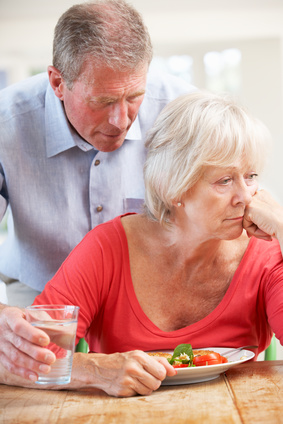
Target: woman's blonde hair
pixel 192 132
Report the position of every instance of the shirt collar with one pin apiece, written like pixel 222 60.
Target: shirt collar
pixel 60 135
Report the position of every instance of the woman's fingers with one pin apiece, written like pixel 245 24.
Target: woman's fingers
pixel 147 373
pixel 22 349
pixel 121 374
pixel 262 216
pixel 23 366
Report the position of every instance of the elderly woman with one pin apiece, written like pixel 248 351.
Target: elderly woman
pixel 202 264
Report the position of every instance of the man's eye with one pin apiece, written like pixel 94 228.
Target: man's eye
pixel 134 99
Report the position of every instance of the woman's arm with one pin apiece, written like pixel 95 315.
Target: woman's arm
pixel 119 374
pixel 263 218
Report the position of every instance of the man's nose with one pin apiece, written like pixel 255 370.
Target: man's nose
pixel 118 116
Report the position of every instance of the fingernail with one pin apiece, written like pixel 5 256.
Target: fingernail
pixel 44 368
pixel 43 342
pixel 32 377
pixel 49 358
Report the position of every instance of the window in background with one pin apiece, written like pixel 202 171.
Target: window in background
pixel 35 71
pixel 223 70
pixel 180 66
pixel 3 79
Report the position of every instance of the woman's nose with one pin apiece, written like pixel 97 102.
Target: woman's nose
pixel 244 193
pixel 118 116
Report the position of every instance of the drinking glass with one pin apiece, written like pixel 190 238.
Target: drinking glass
pixel 60 323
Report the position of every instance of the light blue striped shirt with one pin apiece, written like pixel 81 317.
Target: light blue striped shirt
pixel 58 186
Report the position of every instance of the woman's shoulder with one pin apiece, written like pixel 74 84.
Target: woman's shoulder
pixel 263 255
pixel 109 229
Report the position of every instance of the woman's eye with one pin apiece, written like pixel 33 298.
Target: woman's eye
pixel 252 176
pixel 225 181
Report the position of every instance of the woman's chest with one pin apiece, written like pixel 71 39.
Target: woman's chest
pixel 179 301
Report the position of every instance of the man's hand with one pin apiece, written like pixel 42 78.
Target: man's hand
pixel 22 349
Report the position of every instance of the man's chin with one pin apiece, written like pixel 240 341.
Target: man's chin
pixel 107 145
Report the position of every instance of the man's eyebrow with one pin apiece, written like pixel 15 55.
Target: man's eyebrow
pixel 109 99
pixel 137 93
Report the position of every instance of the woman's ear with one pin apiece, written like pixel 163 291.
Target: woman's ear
pixel 177 203
pixel 56 81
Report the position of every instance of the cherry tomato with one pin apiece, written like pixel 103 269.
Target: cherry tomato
pixel 213 358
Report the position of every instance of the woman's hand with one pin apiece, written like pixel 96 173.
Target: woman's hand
pixel 22 351
pixel 263 218
pixel 120 374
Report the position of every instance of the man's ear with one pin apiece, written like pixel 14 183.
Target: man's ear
pixel 56 81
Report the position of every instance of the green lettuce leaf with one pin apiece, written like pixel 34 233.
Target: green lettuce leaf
pixel 182 349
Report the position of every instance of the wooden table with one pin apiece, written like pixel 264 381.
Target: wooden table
pixel 249 393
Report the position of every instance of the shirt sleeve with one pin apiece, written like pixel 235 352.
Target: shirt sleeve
pixel 3 197
pixel 274 300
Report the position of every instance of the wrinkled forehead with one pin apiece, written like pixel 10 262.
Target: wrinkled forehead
pixel 91 72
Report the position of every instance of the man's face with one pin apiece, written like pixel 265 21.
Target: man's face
pixel 103 104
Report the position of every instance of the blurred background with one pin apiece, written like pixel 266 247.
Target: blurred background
pixel 233 46
pixel 230 46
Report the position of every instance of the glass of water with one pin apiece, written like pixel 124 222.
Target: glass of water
pixel 60 323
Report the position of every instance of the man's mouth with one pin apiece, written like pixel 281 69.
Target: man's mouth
pixel 113 135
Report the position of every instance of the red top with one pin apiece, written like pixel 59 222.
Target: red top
pixel 96 277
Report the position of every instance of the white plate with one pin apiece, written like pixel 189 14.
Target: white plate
pixel 209 372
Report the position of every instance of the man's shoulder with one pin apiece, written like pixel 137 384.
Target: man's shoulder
pixel 19 97
pixel 161 89
pixel 164 86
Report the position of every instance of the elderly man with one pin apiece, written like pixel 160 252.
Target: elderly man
pixel 72 140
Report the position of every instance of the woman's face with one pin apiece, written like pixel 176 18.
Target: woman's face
pixel 215 206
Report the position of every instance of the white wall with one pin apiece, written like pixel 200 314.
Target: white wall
pixel 256 28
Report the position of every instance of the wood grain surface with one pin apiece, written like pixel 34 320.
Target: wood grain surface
pixel 249 393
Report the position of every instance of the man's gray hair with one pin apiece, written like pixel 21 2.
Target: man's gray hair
pixel 105 32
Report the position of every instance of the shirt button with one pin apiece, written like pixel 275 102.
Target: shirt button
pixel 99 208
pixel 97 162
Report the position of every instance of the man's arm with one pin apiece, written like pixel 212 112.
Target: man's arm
pixel 3 200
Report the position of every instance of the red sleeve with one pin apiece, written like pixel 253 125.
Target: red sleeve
pixel 274 297
pixel 85 276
